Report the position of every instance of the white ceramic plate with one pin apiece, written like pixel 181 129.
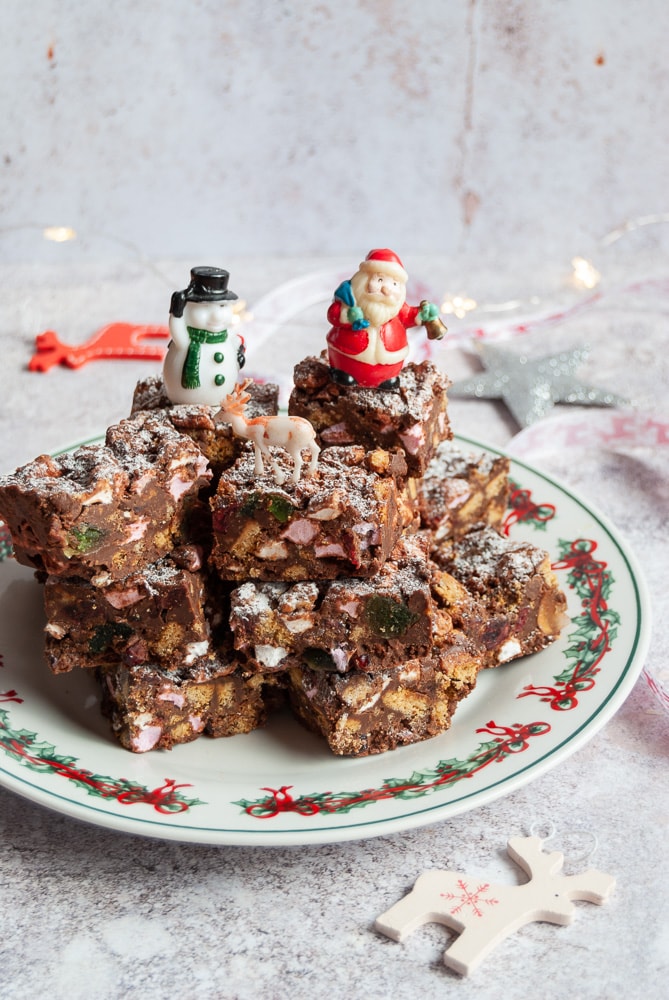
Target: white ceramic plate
pixel 281 785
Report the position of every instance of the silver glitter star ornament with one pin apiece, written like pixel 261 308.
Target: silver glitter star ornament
pixel 530 387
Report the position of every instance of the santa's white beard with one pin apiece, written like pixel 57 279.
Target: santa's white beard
pixel 376 307
pixel 378 312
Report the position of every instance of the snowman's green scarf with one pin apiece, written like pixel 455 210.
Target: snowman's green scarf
pixel 190 373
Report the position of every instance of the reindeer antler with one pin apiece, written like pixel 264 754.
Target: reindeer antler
pixel 236 400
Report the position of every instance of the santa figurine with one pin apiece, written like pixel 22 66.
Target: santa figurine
pixel 369 317
pixel 204 355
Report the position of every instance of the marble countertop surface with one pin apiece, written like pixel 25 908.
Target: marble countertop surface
pixel 89 912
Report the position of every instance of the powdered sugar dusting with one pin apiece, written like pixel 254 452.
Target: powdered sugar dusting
pixel 485 555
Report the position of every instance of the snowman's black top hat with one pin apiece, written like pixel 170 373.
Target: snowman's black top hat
pixel 207 284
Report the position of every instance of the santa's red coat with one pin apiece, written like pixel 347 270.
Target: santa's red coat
pixel 345 343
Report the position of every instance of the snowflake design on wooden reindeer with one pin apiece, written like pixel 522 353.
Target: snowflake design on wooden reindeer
pixel 475 899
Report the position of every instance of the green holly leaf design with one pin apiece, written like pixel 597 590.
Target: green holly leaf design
pixel 41 757
pixel 512 739
pixel 594 630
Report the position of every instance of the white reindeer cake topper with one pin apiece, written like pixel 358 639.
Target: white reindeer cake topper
pixel 485 914
pixel 293 434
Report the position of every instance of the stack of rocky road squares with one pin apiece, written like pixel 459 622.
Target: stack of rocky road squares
pixel 367 596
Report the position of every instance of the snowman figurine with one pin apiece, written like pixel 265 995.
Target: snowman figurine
pixel 204 355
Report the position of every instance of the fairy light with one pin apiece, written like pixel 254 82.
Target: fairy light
pixel 59 234
pixel 585 274
pixel 240 313
pixel 458 305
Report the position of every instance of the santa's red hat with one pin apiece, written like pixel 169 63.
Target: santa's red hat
pixel 385 262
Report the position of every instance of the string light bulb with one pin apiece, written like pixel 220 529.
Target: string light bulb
pixel 59 234
pixel 585 274
pixel 458 305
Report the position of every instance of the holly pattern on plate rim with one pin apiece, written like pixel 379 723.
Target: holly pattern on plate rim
pixel 22 745
pixel 596 625
pixel 506 740
pixel 523 510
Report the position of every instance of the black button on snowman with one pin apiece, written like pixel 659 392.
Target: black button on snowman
pixel 204 355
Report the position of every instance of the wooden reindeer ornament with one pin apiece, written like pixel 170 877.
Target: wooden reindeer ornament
pixel 293 434
pixel 485 914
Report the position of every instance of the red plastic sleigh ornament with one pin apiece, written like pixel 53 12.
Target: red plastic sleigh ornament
pixel 115 341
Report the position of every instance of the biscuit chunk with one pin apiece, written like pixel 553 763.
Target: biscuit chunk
pixel 513 580
pixel 104 511
pixel 414 418
pixel 155 615
pixel 369 713
pixel 346 624
pixel 343 521
pixel 461 491
pixel 151 709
